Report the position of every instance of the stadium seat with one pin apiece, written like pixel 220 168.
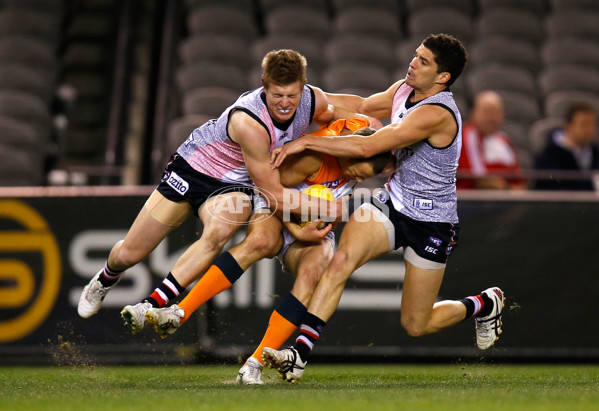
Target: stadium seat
pixel 556 103
pixel 539 131
pixel 569 78
pixel 244 5
pixel 20 134
pixel 312 49
pixel 222 20
pixel 537 7
pixel 19 167
pixel 506 51
pixel 28 108
pixel 356 76
pixel 91 26
pixel 84 143
pixel 563 5
pixel 464 6
pixel 18 21
pixel 297 20
pixel 440 20
pixel 210 101
pixel 501 77
pixel 390 6
pixel 570 51
pixel 512 23
pixel 360 49
pixel 197 75
pixel 520 108
pixel 88 84
pixel 405 51
pixel 320 6
pixel 216 48
pixel 87 55
pixel 368 22
pixel 573 23
pixel 24 78
pixel 28 51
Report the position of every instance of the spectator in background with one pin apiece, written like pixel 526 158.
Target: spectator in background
pixel 486 149
pixel 571 148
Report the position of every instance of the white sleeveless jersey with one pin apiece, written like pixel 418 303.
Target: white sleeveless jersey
pixel 210 150
pixel 423 186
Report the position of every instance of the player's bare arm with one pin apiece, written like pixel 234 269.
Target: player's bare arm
pixel 377 105
pixel 298 166
pixel 426 122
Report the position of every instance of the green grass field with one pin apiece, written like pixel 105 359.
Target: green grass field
pixel 330 387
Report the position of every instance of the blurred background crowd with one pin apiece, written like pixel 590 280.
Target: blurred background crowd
pixel 103 91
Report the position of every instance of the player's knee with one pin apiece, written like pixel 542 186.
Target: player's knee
pixel 340 262
pixel 264 244
pixel 217 235
pixel 125 256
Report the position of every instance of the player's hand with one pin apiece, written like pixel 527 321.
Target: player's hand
pixel 280 153
pixel 310 233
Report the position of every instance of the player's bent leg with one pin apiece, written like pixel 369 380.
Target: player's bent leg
pixel 307 262
pixel 144 235
pixel 263 240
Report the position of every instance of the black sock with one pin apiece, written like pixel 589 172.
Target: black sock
pixel 109 277
pixel 309 333
pixel 487 308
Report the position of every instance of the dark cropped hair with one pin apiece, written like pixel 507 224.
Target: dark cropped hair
pixel 378 161
pixel 283 67
pixel 578 107
pixel 450 54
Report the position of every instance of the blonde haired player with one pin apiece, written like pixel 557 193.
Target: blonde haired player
pixel 306 260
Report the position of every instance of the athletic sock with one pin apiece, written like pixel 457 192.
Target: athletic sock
pixel 166 291
pixel 109 277
pixel 309 333
pixel 283 322
pixel 220 276
pixel 477 306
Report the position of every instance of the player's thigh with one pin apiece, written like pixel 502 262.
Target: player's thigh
pixel 308 258
pixel 158 217
pixel 225 212
pixel 365 236
pixel 419 292
pixel 264 233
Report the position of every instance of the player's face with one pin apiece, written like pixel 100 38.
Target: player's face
pixel 282 101
pixel 359 171
pixel 422 73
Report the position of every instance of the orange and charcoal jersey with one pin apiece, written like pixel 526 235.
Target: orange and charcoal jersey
pixel 330 174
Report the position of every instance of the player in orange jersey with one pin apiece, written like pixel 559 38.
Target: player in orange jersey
pixel 306 260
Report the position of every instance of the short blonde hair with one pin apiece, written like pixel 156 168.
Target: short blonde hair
pixel 283 67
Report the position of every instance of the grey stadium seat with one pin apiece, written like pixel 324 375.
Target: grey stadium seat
pixel 24 78
pixel 297 20
pixel 512 23
pixel 520 108
pixel 556 103
pixel 29 51
pixel 28 108
pixel 368 22
pixel 503 50
pixel 216 47
pixel 464 6
pixel 87 55
pixel 441 20
pixel 91 26
pixel 390 6
pixel 192 76
pixel 88 84
pixel 19 167
pixel 501 77
pixel 222 20
pixel 575 51
pixel 569 78
pixel 210 101
pixel 312 49
pixel 360 49
pixel 356 76
pixel 19 21
pixel 320 6
pixel 562 5
pixel 243 5
pixel 573 23
pixel 535 6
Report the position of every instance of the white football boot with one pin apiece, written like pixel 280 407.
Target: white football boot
pixel 165 320
pixel 287 362
pixel 488 328
pixel 250 373
pixel 134 316
pixel 92 296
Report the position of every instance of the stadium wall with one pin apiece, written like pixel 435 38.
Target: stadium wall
pixel 539 247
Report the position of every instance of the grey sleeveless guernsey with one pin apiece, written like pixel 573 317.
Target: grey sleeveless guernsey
pixel 423 187
pixel 210 150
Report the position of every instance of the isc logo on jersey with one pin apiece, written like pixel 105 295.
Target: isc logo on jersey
pixel 177 183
